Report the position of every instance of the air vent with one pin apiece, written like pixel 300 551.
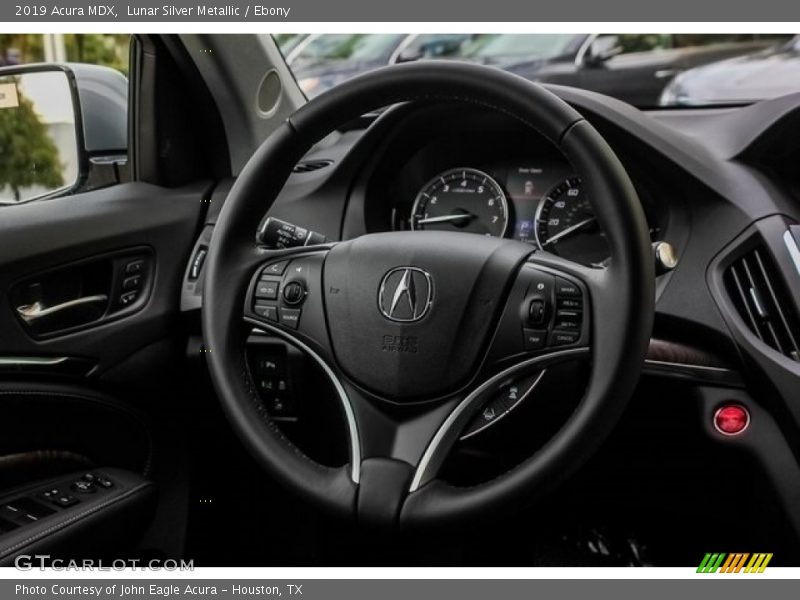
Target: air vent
pixel 763 302
pixel 311 165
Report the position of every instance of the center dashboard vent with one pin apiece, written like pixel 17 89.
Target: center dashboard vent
pixel 307 166
pixel 759 294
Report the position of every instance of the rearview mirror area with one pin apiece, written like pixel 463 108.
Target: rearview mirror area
pixel 40 145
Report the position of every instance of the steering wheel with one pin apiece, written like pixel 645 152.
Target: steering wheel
pixel 418 331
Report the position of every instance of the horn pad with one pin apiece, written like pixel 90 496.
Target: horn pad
pixel 410 313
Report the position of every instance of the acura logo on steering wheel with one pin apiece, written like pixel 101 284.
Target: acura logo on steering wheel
pixel 406 294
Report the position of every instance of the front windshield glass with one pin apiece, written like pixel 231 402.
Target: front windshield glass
pixel 517 46
pixel 644 69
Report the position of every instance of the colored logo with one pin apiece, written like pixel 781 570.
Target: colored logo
pixel 714 562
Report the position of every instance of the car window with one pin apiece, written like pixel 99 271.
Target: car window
pixel 503 46
pixel 432 45
pixel 321 49
pixel 644 69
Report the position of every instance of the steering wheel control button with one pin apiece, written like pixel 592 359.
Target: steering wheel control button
pixel 275 269
pixel 566 288
pixel 290 317
pixel 537 311
pixel 267 289
pixel 535 339
pixel 567 319
pixel 564 338
pixel 505 400
pixel 294 293
pixel 731 419
pixel 267 311
pixel 569 303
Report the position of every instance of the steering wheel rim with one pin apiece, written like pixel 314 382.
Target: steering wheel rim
pixel 622 295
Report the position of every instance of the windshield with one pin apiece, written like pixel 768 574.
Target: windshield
pixel 644 69
pixel 519 46
pixel 324 49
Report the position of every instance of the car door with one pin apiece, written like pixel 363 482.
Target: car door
pixel 93 250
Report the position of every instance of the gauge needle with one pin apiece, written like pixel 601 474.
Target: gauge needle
pixel 446 218
pixel 569 230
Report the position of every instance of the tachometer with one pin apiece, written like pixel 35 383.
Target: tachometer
pixel 566 225
pixel 461 200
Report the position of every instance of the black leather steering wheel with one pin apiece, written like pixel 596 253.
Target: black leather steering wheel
pixel 418 330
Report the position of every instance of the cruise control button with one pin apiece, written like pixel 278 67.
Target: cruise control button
pixel 534 338
pixel 267 311
pixel 267 289
pixel 569 303
pixel 561 338
pixel 290 317
pixel 569 320
pixel 566 288
pixel 275 268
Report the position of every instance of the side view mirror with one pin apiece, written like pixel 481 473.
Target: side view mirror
pixel 602 49
pixel 55 123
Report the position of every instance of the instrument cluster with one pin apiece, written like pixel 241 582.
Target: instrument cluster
pixel 538 201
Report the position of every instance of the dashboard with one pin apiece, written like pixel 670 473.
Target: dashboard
pixel 719 185
pixel 483 173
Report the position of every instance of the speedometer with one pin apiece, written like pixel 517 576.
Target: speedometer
pixel 566 224
pixel 461 200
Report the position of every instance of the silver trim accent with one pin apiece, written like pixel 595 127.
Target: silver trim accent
pixel 757 303
pixel 664 363
pixel 421 473
pixel 12 361
pixel 725 433
pixel 32 312
pixel 513 406
pixel 355 443
pixel 791 246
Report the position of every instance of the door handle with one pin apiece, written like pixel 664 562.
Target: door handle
pixel 31 313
